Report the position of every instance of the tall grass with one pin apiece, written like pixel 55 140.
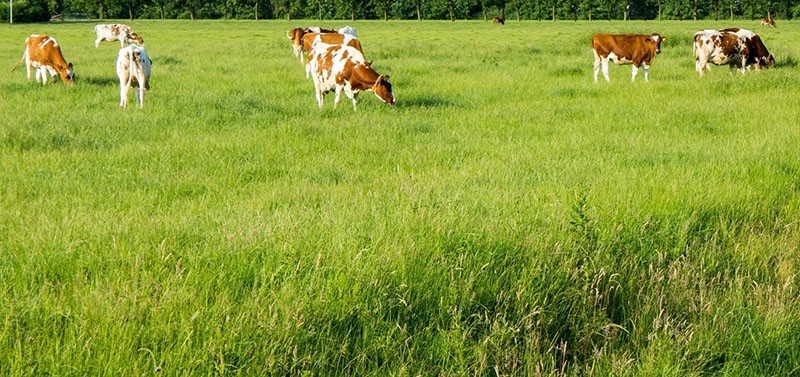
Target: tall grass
pixel 507 217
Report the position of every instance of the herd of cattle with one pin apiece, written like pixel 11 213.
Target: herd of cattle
pixel 737 48
pixel 334 59
pixel 43 54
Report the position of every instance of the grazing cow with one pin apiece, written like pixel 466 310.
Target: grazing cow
pixel 309 39
pixel 639 50
pixel 341 67
pixel 44 55
pixel 498 20
pixel 133 68
pixel 767 22
pixel 738 48
pixel 757 55
pixel 116 32
pixel 720 48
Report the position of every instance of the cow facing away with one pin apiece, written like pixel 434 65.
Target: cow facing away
pixel 309 39
pixel 767 22
pixel 636 49
pixel 43 54
pixel 116 32
pixel 133 69
pixel 343 68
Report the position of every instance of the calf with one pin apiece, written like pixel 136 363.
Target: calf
pixel 44 55
pixel 343 68
pixel 767 22
pixel 639 50
pixel 498 20
pixel 133 68
pixel 116 32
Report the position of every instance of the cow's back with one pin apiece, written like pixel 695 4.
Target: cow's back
pixel 625 46
pixel 309 39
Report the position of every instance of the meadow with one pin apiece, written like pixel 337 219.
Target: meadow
pixel 508 216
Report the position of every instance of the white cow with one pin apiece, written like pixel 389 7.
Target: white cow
pixel 133 68
pixel 116 32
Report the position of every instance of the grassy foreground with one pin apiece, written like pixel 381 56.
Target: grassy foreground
pixel 507 217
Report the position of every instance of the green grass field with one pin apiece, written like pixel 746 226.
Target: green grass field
pixel 506 217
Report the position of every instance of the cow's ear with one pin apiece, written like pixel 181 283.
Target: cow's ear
pixel 663 39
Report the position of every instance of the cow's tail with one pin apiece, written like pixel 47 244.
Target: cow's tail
pixel 24 54
pixel 130 67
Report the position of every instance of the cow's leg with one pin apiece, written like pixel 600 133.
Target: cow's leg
pixel 634 72
pixel 605 69
pixel 338 95
pixel 97 42
pixel 141 96
pixel 123 93
pixel 646 71
pixel 355 101
pixel 596 67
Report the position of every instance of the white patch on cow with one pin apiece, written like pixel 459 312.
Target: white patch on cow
pixel 617 59
pixel 347 30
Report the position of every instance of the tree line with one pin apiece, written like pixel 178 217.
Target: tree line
pixel 43 10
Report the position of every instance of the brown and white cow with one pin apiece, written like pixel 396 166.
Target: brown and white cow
pixel 498 20
pixel 309 39
pixel 636 49
pixel 133 69
pixel 720 48
pixel 43 54
pixel 343 68
pixel 737 48
pixel 757 55
pixel 116 32
pixel 767 22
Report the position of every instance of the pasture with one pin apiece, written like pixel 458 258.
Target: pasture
pixel 508 216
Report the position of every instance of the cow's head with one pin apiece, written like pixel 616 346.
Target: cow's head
pixel 136 38
pixel 67 74
pixel 766 61
pixel 655 40
pixel 383 89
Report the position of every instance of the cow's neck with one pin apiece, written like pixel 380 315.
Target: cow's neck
pixel 365 77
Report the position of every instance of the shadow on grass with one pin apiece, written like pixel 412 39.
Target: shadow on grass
pixel 786 62
pixel 98 80
pixel 424 102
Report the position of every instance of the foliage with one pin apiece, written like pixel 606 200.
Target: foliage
pixel 407 9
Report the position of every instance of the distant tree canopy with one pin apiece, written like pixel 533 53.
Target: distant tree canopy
pixel 41 10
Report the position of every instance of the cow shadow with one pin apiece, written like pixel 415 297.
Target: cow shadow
pixel 98 80
pixel 425 102
pixel 786 62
